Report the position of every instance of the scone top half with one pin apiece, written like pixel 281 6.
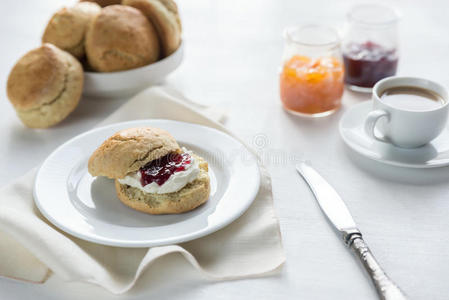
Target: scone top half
pixel 129 150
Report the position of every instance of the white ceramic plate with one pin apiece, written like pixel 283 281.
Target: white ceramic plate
pixel 435 154
pixel 88 208
pixel 124 83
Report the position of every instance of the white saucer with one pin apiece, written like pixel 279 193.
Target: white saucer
pixel 435 154
pixel 88 208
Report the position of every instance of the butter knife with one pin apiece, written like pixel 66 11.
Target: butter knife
pixel 338 214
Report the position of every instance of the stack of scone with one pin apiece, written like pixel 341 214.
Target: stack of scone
pixel 100 36
pixel 152 173
pixel 116 37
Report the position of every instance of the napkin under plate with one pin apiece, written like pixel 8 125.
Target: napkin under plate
pixel 31 248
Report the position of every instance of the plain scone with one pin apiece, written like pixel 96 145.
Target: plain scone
pixel 67 27
pixel 45 86
pixel 121 38
pixel 164 16
pixel 130 149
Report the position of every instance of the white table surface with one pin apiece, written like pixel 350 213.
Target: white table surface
pixel 233 49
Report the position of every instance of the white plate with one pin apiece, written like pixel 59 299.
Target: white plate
pixel 87 207
pixel 435 154
pixel 124 83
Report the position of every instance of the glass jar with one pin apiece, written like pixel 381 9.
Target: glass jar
pixel 311 77
pixel 370 45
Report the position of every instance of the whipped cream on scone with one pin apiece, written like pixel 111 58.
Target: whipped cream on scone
pixel 152 173
pixel 174 183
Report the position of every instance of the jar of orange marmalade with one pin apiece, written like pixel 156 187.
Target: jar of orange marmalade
pixel 311 79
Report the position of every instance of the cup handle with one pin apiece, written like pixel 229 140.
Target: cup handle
pixel 370 124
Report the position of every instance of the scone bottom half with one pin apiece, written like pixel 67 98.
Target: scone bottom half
pixel 152 156
pixel 188 198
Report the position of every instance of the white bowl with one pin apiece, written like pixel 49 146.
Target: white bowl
pixel 116 84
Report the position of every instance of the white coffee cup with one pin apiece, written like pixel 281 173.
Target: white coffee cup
pixel 401 127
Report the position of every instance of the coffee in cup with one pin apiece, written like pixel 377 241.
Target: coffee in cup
pixel 408 112
pixel 412 98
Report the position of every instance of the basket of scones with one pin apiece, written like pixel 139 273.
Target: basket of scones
pixel 96 48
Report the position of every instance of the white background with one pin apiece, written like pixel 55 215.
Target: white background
pixel 233 50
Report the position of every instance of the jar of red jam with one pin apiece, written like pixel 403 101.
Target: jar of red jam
pixel 370 45
pixel 311 76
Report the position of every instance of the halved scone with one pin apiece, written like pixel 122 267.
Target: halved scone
pixel 152 173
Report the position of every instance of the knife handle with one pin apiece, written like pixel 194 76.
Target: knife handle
pixel 385 287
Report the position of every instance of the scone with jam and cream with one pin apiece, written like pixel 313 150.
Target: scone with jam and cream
pixel 152 173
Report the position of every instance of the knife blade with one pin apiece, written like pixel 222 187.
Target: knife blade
pixel 338 214
pixel 330 202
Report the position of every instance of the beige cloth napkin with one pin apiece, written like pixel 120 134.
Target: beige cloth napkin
pixel 30 246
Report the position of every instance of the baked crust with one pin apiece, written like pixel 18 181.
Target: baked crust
pixel 45 86
pixel 188 198
pixel 104 3
pixel 121 38
pixel 165 18
pixel 130 149
pixel 67 27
